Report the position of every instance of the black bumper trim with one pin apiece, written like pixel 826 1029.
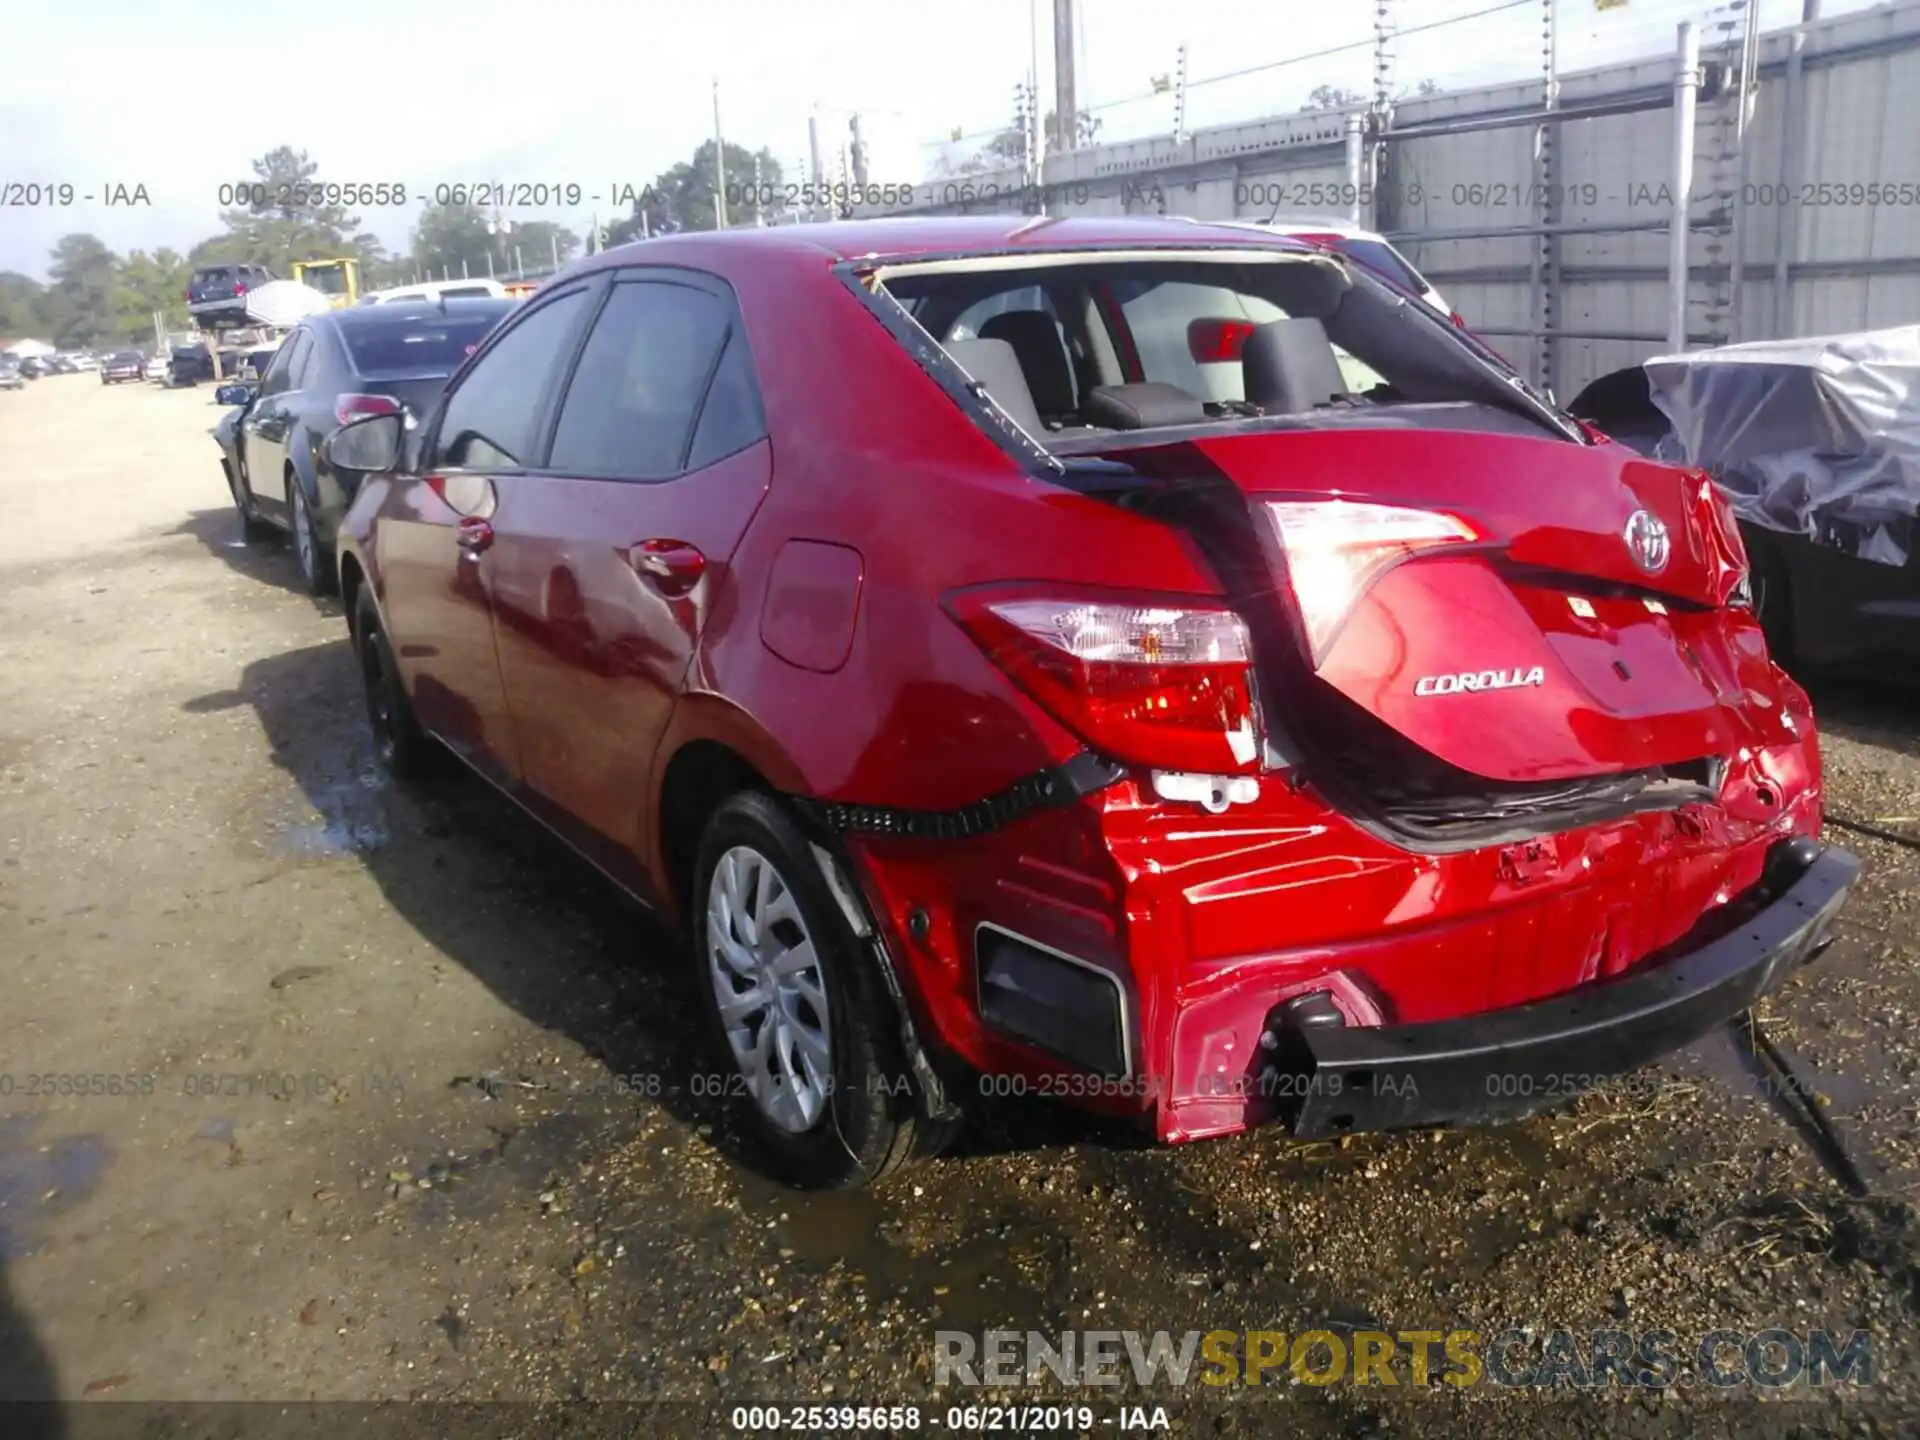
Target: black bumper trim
pixel 1334 1080
pixel 1082 775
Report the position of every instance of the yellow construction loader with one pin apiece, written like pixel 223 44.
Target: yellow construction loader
pixel 339 280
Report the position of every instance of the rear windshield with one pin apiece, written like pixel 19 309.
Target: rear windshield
pixel 439 344
pixel 216 272
pixel 1088 345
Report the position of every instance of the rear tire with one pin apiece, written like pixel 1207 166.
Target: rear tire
pixel 403 749
pixel 782 978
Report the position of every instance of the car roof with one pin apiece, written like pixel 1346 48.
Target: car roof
pixel 400 313
pixel 904 237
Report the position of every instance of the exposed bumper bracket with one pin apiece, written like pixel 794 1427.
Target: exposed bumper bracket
pixel 1510 1062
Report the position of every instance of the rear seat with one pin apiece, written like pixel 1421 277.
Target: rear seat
pixel 996 367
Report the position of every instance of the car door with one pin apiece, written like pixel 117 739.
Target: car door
pixel 608 561
pixel 263 429
pixel 435 531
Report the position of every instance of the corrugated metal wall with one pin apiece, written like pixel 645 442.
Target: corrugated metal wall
pixel 1853 241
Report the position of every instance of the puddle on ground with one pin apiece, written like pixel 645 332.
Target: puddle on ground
pixel 975 1283
pixel 39 1179
pixel 352 818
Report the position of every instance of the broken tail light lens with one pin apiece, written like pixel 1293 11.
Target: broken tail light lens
pixel 348 408
pixel 1169 686
pixel 1336 549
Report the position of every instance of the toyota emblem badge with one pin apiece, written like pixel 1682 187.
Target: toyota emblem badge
pixel 1647 541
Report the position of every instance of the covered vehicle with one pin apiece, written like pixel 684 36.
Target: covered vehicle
pixel 334 367
pixel 1816 443
pixel 1360 746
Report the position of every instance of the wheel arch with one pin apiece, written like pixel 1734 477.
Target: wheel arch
pixel 712 748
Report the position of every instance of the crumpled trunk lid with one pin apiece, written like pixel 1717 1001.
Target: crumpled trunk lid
pixel 1550 648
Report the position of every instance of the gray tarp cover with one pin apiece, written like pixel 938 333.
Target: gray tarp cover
pixel 1817 437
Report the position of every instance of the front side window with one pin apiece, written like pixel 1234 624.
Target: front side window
pixel 491 420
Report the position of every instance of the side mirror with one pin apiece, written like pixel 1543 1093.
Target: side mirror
pixel 237 392
pixel 370 445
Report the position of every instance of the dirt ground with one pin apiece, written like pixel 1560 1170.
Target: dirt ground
pixel 315 1091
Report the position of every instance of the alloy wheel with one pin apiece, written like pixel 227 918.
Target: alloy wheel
pixel 772 997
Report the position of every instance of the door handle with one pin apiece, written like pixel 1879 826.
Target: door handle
pixel 672 567
pixel 473 535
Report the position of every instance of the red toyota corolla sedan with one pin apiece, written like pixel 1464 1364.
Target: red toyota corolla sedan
pixel 1144 663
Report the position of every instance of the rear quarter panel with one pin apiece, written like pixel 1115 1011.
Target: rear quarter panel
pixel 869 454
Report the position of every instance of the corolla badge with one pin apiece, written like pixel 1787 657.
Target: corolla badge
pixel 1647 541
pixel 1476 680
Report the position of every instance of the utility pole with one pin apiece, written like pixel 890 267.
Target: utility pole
pixel 719 164
pixel 553 248
pixel 1066 108
pixel 816 169
pixel 1180 99
pixel 759 212
pixel 1686 96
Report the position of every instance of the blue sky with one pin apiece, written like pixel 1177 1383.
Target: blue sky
pixel 605 92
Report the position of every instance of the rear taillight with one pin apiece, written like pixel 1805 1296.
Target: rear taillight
pixel 1336 549
pixel 1212 341
pixel 349 408
pixel 240 287
pixel 1168 686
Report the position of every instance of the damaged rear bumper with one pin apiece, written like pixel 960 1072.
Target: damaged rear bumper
pixel 1331 1078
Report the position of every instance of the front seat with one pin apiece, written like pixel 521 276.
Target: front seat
pixel 1035 338
pixel 1289 366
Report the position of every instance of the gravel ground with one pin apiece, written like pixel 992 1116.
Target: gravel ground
pixel 369 1133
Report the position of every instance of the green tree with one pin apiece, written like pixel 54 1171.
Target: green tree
pixel 282 224
pixel 146 283
pixel 539 239
pixel 681 198
pixel 455 240
pixel 80 301
pixel 23 307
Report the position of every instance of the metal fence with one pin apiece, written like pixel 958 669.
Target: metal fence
pixel 1739 186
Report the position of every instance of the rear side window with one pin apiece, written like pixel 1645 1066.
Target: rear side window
pixel 280 374
pixel 429 345
pixel 630 409
pixel 492 418
pixel 730 420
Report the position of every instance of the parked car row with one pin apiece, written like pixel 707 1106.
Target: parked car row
pixel 1146 663
pixel 365 360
